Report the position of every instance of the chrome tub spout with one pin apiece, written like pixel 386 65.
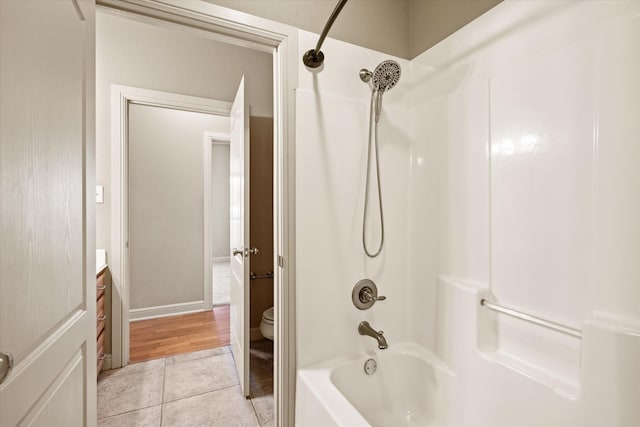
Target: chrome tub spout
pixel 364 328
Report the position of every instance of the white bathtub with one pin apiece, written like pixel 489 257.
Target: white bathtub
pixel 407 389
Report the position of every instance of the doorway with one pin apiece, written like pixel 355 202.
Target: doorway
pixel 146 100
pixel 168 232
pixel 280 42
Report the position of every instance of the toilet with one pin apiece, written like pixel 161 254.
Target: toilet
pixel 266 325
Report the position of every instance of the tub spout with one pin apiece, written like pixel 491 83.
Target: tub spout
pixel 364 328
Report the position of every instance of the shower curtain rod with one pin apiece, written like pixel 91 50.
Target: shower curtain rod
pixel 313 58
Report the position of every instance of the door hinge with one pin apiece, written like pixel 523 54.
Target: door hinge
pixel 280 261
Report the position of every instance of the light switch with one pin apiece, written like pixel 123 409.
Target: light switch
pixel 99 194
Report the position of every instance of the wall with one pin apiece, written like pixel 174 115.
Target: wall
pixel 220 200
pixel 522 135
pixel 166 204
pixel 138 54
pixel 261 217
pixel 403 28
pixel 381 25
pixel 431 21
pixel 332 117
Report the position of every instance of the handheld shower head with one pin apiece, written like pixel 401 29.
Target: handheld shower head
pixel 386 75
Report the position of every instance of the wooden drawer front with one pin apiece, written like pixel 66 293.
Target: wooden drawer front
pixel 101 284
pixel 101 353
pixel 100 315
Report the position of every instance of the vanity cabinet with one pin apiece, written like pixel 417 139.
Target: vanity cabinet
pixel 102 282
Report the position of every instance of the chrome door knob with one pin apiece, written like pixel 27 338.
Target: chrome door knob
pixel 254 251
pixel 238 252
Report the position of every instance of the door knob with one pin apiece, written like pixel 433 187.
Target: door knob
pixel 6 363
pixel 238 252
pixel 254 251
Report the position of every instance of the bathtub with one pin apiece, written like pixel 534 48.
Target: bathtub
pixel 408 388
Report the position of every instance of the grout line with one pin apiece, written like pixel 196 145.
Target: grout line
pixel 201 393
pixel 128 412
pixel 164 377
pixel 255 411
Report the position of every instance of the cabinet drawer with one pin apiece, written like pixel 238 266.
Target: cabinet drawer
pixel 101 284
pixel 101 352
pixel 100 315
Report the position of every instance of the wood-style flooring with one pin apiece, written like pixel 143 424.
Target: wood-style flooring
pixel 166 336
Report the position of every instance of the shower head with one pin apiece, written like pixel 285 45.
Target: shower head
pixel 386 75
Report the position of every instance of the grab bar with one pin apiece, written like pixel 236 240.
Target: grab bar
pixel 313 58
pixel 254 276
pixel 532 319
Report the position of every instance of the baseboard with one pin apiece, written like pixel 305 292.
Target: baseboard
pixel 220 259
pixel 165 310
pixel 107 363
pixel 255 334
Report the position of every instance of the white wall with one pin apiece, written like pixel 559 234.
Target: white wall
pixel 509 173
pixel 332 115
pixel 138 54
pixel 220 200
pixel 166 204
pixel 523 135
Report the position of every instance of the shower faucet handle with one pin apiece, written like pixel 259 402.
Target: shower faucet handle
pixel 365 294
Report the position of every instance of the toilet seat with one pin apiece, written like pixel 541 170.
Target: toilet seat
pixel 267 316
pixel 266 325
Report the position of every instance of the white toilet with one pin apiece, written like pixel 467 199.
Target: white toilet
pixel 266 325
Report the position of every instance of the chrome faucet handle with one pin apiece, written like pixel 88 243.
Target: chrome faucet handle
pixel 367 295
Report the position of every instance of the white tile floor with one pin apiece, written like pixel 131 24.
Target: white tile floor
pixel 221 278
pixel 193 389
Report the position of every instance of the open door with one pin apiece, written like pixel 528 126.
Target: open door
pixel 47 226
pixel 239 239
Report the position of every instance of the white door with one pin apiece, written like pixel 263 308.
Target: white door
pixel 47 212
pixel 47 202
pixel 239 239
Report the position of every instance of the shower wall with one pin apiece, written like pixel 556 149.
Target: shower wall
pixel 524 132
pixel 509 168
pixel 332 113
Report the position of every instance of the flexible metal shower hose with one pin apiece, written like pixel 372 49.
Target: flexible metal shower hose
pixel 374 98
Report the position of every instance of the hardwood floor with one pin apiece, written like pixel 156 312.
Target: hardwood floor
pixel 156 338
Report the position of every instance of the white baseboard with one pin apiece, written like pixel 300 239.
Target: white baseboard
pixel 220 259
pixel 165 310
pixel 255 334
pixel 107 363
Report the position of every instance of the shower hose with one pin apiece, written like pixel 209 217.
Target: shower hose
pixel 373 136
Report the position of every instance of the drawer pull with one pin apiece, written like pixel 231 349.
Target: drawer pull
pixel 101 318
pixel 102 356
pixel 101 288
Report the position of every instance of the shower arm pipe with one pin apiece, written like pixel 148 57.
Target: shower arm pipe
pixel 314 58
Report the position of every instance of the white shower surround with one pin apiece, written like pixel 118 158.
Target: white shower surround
pixel 526 119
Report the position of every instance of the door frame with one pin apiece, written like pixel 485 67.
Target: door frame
pixel 122 97
pixel 281 41
pixel 210 139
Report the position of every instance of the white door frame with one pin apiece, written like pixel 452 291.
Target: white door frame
pixel 281 40
pixel 121 98
pixel 210 139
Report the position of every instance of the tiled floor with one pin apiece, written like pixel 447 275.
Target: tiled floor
pixel 221 277
pixel 192 389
